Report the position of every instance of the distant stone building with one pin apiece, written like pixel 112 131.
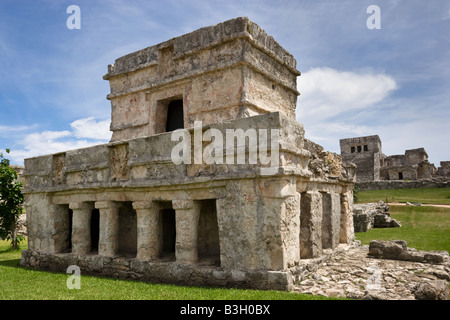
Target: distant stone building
pixel 366 154
pixel 372 165
pixel 127 209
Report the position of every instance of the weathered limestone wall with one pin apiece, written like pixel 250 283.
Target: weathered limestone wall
pixel 47 223
pixel 159 272
pixel 228 71
pixel 259 222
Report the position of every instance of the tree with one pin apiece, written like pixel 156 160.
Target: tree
pixel 11 199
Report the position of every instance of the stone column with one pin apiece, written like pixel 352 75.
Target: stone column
pixel 331 218
pixel 187 213
pixel 109 228
pixel 347 233
pixel 278 224
pixel 81 226
pixel 149 241
pixel 310 225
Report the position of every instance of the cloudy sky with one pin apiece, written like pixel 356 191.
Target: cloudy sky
pixel 356 81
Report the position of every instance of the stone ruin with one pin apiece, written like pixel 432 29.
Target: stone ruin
pixel 372 215
pixel 375 170
pixel 126 209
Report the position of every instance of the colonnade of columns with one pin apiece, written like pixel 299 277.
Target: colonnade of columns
pixel 325 221
pixel 149 237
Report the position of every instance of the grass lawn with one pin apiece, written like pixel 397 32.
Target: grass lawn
pixel 423 228
pixel 27 284
pixel 424 195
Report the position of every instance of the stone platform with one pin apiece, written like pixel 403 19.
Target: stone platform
pixel 351 273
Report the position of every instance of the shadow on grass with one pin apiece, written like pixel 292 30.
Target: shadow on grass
pixel 13 263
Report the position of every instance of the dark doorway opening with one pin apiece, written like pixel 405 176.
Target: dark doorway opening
pixel 127 245
pixel 175 119
pixel 208 234
pixel 168 233
pixel 95 230
pixel 69 240
pixel 400 175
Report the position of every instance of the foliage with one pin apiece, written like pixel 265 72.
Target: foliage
pixel 11 199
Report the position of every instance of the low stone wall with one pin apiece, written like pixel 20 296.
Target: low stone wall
pixel 159 272
pixel 402 184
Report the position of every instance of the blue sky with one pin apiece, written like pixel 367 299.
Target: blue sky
pixel 355 81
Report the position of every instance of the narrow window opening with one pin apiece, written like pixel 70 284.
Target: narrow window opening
pixel 366 148
pixel 359 148
pixel 353 149
pixel 175 119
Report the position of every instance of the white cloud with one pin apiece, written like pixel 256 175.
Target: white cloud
pixel 331 99
pixel 91 129
pixel 17 128
pixel 85 132
pixel 327 92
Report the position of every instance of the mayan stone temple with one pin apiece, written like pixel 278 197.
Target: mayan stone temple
pixel 127 209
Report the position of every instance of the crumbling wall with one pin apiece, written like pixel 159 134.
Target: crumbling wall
pixel 444 169
pixel 372 215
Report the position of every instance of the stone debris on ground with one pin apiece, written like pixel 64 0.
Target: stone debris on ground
pixel 373 215
pixel 352 273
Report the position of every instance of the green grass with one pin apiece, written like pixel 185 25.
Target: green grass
pixel 28 284
pixel 424 195
pixel 423 228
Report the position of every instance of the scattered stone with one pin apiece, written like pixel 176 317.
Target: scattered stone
pixel 432 290
pixel 361 276
pixel 372 215
pixel 398 250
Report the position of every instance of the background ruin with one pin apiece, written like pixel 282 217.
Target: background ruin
pixel 374 169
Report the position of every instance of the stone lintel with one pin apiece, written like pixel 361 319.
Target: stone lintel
pixel 107 204
pixel 143 205
pixel 182 204
pixel 81 206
